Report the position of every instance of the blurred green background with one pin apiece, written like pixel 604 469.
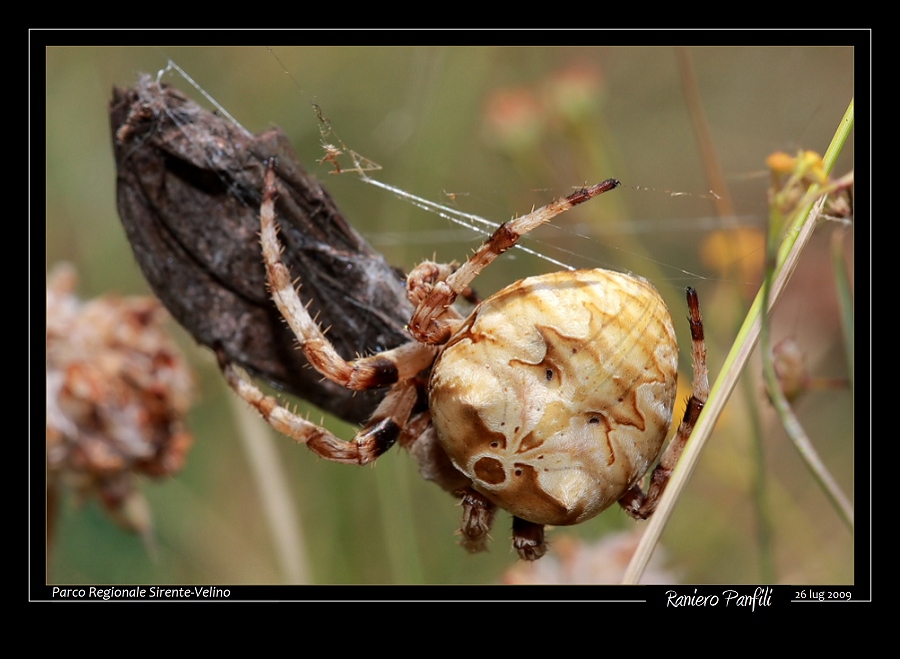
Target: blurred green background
pixel 492 131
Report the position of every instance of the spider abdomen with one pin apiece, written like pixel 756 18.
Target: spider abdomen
pixel 556 394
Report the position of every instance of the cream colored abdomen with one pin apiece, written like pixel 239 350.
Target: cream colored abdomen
pixel 556 395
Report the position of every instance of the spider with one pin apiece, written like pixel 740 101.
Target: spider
pixel 551 400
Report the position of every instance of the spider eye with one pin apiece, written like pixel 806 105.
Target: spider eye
pixel 549 374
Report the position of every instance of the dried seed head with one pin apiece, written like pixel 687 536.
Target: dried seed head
pixel 556 395
pixel 117 394
pixel 790 368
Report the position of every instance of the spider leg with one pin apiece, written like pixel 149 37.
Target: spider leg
pixel 385 368
pixel 420 439
pixel 424 276
pixel 428 324
pixel 377 436
pixel 528 539
pixel 635 502
pixel 477 519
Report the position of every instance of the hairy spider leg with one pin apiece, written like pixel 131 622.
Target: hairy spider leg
pixel 426 324
pixel 395 367
pixel 635 502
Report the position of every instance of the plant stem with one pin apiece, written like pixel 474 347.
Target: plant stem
pixel 789 251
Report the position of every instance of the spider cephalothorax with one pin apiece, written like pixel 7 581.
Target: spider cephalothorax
pixel 551 400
